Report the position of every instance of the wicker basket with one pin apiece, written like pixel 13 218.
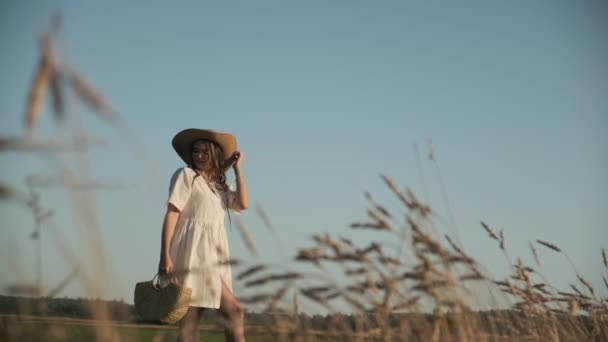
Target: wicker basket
pixel 159 304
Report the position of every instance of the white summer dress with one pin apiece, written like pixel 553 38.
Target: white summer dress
pixel 199 247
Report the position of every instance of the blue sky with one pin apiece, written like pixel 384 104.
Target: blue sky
pixel 323 97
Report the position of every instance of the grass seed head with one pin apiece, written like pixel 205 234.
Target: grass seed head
pixel 586 284
pixel 250 271
pixel 89 95
pixel 42 77
pixel 549 245
pixel 57 96
pixel 489 230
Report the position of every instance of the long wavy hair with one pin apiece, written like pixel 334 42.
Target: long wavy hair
pixel 218 176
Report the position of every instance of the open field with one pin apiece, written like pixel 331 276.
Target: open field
pixel 37 328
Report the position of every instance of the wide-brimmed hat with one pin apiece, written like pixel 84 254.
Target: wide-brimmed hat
pixel 182 143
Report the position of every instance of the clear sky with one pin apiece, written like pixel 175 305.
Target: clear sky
pixel 324 96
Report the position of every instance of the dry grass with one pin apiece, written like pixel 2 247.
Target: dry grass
pixel 425 298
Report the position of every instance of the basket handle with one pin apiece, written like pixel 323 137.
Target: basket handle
pixel 156 281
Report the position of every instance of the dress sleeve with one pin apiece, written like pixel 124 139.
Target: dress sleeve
pixel 230 194
pixel 180 188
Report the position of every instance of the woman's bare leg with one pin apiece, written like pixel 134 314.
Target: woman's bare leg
pixel 232 310
pixel 188 325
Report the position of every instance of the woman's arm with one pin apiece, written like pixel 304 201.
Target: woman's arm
pixel 171 216
pixel 241 198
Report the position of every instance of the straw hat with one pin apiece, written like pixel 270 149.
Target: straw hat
pixel 183 140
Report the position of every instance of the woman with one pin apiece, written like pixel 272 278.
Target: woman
pixel 194 248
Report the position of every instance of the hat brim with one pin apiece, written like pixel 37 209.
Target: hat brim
pixel 183 140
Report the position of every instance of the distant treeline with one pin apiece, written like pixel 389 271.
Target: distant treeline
pixel 82 308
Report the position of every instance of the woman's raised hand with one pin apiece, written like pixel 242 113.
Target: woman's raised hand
pixel 237 158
